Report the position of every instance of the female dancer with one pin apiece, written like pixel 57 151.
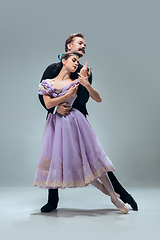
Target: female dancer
pixel 71 155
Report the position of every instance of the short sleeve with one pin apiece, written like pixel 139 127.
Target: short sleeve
pixel 43 88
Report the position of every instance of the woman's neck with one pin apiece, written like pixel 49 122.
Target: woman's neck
pixel 63 75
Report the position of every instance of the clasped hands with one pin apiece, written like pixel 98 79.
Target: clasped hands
pixel 84 74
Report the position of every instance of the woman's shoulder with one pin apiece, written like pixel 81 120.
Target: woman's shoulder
pixel 45 86
pixel 46 80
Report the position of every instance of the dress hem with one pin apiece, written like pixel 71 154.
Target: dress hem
pixel 49 184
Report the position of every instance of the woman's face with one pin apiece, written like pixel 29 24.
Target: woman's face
pixel 72 63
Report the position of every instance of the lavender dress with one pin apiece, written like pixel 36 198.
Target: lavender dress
pixel 71 155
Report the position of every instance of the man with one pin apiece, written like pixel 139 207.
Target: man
pixel 75 43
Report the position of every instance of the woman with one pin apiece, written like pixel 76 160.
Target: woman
pixel 71 155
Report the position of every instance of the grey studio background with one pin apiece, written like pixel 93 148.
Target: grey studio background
pixel 123 50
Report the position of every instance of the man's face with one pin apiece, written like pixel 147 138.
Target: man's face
pixel 77 46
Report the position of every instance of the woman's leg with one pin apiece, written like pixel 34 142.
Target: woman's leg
pixel 96 183
pixel 118 188
pixel 100 186
pixel 114 196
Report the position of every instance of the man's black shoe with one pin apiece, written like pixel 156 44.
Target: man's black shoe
pixel 52 201
pixel 124 195
pixel 49 207
pixel 130 200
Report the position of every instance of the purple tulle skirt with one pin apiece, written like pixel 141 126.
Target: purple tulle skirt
pixel 71 155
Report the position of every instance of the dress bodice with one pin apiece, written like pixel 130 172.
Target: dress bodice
pixel 46 87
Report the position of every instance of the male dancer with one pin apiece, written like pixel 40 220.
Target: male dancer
pixel 75 43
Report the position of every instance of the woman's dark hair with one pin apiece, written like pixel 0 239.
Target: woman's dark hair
pixel 59 65
pixel 67 55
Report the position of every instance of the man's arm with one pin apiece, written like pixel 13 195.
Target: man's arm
pixel 83 80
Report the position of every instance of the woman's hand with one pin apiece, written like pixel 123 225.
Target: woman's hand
pixel 84 71
pixel 73 90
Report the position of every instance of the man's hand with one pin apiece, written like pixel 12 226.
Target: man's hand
pixel 83 80
pixel 84 71
pixel 63 109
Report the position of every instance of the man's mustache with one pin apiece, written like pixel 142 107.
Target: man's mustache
pixel 81 49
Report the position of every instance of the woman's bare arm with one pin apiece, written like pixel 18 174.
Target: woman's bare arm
pixel 52 102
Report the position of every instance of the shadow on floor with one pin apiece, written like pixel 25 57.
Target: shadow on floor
pixel 71 212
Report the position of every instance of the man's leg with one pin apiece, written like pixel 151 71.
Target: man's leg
pixel 124 195
pixel 52 201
